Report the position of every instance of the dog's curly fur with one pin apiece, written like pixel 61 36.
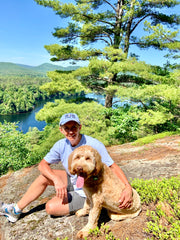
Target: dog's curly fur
pixel 102 188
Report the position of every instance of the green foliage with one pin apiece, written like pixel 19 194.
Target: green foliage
pixel 18 150
pixel 44 141
pixel 123 126
pixel 20 93
pixel 90 114
pixel 102 231
pixel 154 190
pixel 62 82
pixel 152 138
pixel 159 231
pixel 20 86
pixel 175 77
pixel 113 126
pixel 159 36
pixel 90 22
pixel 160 106
pixel 14 148
pixel 69 52
pixel 165 193
pixel 66 238
pixel 145 93
pixel 17 99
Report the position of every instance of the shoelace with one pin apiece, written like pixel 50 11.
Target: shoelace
pixel 7 207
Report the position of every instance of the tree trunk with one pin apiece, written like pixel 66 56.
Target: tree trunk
pixel 119 15
pixel 128 31
pixel 108 100
pixel 111 92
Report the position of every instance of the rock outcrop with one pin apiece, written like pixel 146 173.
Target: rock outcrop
pixel 159 159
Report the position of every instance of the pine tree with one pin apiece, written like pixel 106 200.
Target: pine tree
pixel 113 26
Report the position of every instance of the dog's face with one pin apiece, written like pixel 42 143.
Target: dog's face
pixel 84 161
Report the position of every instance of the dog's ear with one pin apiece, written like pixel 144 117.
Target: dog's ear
pixel 70 162
pixel 99 163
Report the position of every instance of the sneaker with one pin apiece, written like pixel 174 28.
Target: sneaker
pixel 8 211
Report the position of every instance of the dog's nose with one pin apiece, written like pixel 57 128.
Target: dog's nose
pixel 79 169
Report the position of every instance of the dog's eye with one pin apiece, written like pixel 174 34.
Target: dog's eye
pixel 88 158
pixel 77 157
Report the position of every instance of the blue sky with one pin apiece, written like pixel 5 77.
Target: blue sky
pixel 25 27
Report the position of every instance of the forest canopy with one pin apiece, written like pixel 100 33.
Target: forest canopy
pixel 20 86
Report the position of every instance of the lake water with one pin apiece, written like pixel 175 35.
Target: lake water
pixel 27 120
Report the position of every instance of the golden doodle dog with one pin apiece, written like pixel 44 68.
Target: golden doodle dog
pixel 101 186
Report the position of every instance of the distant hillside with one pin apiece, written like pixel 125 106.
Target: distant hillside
pixel 50 67
pixel 7 68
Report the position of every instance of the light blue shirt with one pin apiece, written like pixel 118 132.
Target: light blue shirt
pixel 62 149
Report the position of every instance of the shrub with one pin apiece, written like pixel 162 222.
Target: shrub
pixel 165 193
pixel 123 125
pixel 14 148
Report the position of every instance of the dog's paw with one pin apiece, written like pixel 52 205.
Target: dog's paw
pixel 82 234
pixel 81 212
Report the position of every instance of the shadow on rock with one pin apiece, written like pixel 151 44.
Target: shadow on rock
pixel 33 210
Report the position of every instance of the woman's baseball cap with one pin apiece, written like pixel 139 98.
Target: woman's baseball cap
pixel 69 117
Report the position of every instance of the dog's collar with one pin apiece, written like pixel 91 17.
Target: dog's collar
pixel 95 178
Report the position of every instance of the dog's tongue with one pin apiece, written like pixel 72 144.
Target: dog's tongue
pixel 80 182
